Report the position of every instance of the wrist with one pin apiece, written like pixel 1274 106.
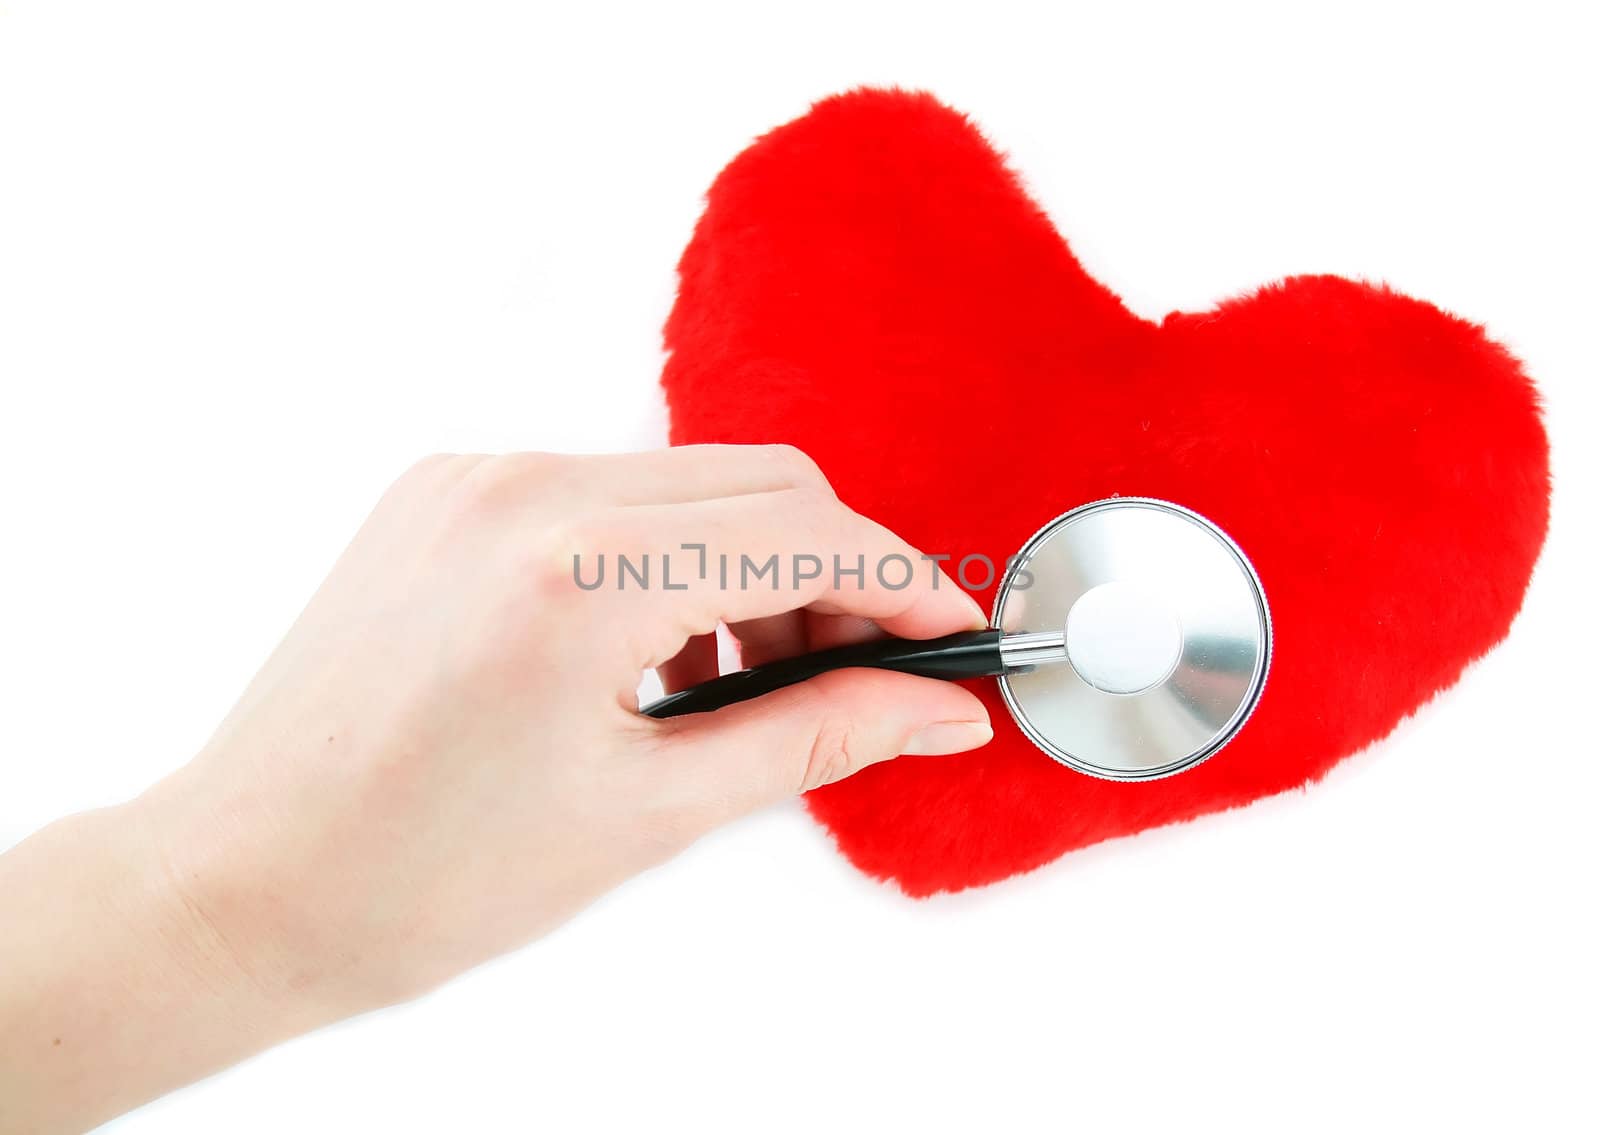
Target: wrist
pixel 192 890
pixel 261 884
pixel 231 926
pixel 113 988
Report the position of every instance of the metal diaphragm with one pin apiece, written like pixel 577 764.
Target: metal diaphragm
pixel 1167 635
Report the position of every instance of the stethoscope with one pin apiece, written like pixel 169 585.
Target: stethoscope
pixel 1146 647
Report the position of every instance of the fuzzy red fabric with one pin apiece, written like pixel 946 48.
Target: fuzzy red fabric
pixel 872 284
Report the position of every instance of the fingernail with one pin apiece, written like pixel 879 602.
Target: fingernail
pixel 945 737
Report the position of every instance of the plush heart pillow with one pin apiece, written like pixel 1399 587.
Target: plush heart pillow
pixel 871 283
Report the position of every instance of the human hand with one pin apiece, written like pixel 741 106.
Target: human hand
pixel 443 759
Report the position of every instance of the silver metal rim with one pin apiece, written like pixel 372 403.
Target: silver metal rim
pixel 1258 678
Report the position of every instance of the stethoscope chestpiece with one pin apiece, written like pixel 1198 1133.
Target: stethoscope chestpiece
pixel 1130 636
pixel 1162 624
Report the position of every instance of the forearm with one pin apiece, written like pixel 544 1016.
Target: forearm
pixel 113 988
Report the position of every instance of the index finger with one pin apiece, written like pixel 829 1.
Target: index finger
pixel 667 572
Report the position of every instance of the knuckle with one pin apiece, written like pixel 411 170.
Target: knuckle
pixel 815 525
pixel 796 465
pixel 566 555
pixel 498 483
pixel 535 465
pixel 809 513
pixel 424 470
pixel 431 461
pixel 834 754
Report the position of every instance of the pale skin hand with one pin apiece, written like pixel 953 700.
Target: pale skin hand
pixel 443 760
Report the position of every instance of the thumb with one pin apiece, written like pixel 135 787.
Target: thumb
pixel 746 756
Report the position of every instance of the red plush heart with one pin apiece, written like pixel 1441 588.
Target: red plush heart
pixel 871 283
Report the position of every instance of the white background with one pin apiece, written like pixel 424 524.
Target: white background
pixel 254 259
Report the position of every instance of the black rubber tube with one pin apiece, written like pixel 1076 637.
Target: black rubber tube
pixel 970 654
